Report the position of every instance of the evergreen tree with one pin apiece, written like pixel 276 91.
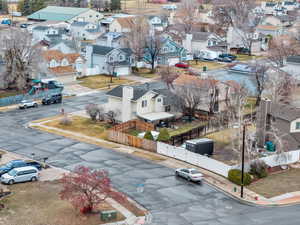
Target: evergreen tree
pixel 163 135
pixel 115 5
pixel 25 7
pixel 148 135
pixel 36 5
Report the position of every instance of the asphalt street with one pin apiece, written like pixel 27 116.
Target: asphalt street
pixel 171 200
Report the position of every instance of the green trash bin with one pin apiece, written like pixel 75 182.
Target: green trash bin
pixel 204 68
pixel 108 215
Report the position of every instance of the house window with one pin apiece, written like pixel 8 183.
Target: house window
pixel 97 16
pixel 111 58
pixel 121 57
pixel 165 49
pixel 90 16
pixel 297 125
pixel 168 108
pixel 159 100
pixel 144 103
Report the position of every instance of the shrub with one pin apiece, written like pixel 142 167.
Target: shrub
pixel 92 110
pixel 163 135
pixel 258 168
pixel 65 121
pixel 235 176
pixel 148 135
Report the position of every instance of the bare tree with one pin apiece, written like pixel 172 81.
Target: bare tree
pixel 153 49
pixel 239 15
pixel 21 57
pixel 187 14
pixel 136 38
pixel 168 75
pixel 260 73
pixel 282 47
pixel 189 98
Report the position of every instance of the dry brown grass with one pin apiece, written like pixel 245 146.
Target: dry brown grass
pixel 36 203
pixel 101 81
pixel 83 126
pixel 209 65
pixel 277 184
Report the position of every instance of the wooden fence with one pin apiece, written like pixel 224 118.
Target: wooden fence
pixel 134 124
pixel 116 134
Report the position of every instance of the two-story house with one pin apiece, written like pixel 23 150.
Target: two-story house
pixel 85 30
pixel 280 118
pixel 112 39
pixel 170 53
pixel 108 60
pixel 141 102
pixel 158 23
pixel 48 33
pixel 60 63
pixel 204 41
pixel 122 24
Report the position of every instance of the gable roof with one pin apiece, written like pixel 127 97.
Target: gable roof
pixel 293 59
pixel 126 22
pixel 57 13
pixel 201 36
pixel 58 56
pixel 101 50
pixel 285 112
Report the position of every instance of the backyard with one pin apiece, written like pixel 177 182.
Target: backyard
pixel 38 203
pixel 101 81
pixel 278 183
pixel 82 125
pixel 146 73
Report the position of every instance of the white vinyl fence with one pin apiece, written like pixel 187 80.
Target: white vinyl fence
pixel 283 159
pixel 193 158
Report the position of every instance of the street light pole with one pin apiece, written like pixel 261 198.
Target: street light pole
pixel 243 161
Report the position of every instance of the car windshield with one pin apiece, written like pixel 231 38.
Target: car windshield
pixel 12 173
pixel 9 165
pixel 194 172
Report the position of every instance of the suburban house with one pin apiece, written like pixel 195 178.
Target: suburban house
pixel 108 60
pixel 122 24
pixel 111 39
pixel 60 63
pixel 48 33
pixel 85 30
pixel 159 23
pixel 235 40
pixel 269 30
pixel 170 53
pixel 280 118
pixel 65 46
pixel 208 88
pixel 141 102
pixel 66 14
pixel 204 41
pixel 278 20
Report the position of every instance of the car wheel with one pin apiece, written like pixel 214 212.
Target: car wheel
pixel 48 102
pixel 35 105
pixel 177 174
pixel 188 178
pixel 11 182
pixel 33 179
pixel 25 106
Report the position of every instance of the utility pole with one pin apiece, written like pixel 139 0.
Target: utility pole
pixel 243 161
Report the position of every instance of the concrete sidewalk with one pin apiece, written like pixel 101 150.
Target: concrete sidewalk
pixel 215 180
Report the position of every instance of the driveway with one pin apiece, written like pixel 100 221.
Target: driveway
pixel 171 201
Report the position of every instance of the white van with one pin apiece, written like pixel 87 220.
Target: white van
pixel 21 174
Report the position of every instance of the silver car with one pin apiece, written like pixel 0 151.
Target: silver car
pixel 189 174
pixel 27 104
pixel 21 174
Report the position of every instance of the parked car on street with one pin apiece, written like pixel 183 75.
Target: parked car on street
pixel 189 174
pixel 182 65
pixel 34 164
pixel 27 104
pixel 21 174
pixel 52 99
pixel 224 59
pixel 226 55
pixel 11 165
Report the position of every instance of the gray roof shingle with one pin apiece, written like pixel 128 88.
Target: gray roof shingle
pixel 101 50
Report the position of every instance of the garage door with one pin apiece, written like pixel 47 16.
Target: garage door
pixel 121 71
pixel 173 61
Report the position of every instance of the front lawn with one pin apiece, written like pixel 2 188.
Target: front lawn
pixel 209 65
pixel 82 125
pixel 146 73
pixel 277 184
pixel 37 203
pixel 244 58
pixel 101 81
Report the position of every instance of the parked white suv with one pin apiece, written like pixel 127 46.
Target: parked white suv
pixel 21 174
pixel 27 104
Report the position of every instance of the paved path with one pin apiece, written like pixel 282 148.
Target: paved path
pixel 171 201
